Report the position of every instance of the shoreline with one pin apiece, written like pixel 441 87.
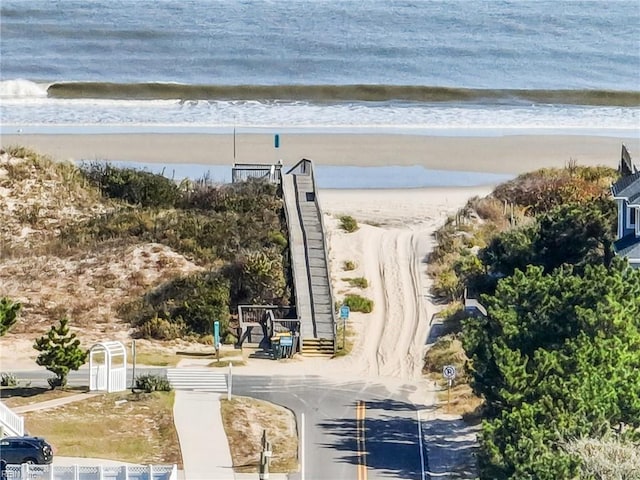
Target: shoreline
pixel 509 154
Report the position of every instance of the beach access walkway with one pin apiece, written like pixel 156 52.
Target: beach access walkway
pixel 309 260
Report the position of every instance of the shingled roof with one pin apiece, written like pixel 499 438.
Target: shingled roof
pixel 628 187
pixel 628 246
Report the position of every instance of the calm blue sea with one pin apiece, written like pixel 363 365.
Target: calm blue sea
pixel 437 67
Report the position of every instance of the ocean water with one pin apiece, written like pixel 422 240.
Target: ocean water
pixel 437 67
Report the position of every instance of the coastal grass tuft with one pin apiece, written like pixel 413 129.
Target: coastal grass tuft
pixel 358 282
pixel 348 223
pixel 357 303
pixel 349 265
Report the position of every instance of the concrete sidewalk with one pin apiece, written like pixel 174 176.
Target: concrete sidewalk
pixel 203 441
pixel 56 402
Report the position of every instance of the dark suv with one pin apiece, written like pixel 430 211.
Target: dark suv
pixel 16 450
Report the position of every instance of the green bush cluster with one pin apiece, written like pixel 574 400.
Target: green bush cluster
pixel 183 306
pixel 153 383
pixel 137 187
pixel 206 235
pixel 356 303
pixel 562 321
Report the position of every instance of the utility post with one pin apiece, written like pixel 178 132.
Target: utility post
pixel 133 360
pixel 265 457
pixel 449 372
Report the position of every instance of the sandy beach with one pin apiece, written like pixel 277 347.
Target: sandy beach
pixel 511 154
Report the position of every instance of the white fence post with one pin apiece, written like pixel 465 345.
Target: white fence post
pixel 100 472
pixel 76 472
pixel 150 472
pixel 51 471
pixel 126 472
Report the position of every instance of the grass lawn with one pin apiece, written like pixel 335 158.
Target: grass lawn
pixel 136 428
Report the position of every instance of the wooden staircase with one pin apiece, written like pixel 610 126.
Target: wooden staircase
pixel 317 347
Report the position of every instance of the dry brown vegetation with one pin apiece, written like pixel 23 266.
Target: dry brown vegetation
pixel 245 420
pixel 40 198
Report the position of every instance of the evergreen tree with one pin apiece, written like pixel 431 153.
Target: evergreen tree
pixel 60 353
pixel 558 357
pixel 8 314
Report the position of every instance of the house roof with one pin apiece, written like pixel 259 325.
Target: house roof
pixel 627 187
pixel 628 246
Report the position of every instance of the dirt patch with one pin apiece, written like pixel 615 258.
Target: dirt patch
pixel 245 420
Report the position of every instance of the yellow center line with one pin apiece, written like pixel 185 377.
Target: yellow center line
pixel 360 440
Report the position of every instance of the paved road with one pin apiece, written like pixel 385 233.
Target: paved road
pixel 382 439
pixel 335 444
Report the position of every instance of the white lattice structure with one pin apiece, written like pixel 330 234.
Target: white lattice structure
pixel 108 367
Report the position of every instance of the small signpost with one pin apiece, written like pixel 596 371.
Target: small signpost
pixel 344 315
pixel 449 372
pixel 216 338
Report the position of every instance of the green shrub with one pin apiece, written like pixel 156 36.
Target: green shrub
pixel 448 286
pixel 348 223
pixel 447 351
pixel 8 380
pixel 356 303
pixel 137 187
pixel 153 383
pixel 349 265
pixel 185 305
pixel 162 329
pixel 359 282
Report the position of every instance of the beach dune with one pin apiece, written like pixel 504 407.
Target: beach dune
pixel 511 154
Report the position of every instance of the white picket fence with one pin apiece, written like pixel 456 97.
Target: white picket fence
pixel 11 424
pixel 81 472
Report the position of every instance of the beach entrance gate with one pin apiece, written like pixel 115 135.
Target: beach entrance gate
pixel 108 367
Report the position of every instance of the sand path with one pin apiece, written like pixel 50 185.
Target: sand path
pixel 389 249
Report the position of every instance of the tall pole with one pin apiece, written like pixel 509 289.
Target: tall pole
pixel 133 359
pixel 302 446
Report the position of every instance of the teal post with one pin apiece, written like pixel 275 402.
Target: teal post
pixel 216 338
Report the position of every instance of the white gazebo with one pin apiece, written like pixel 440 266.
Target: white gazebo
pixel 108 367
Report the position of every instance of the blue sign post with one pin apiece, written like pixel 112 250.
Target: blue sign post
pixel 344 314
pixel 276 141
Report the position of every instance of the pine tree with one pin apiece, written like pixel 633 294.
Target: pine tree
pixel 60 353
pixel 8 314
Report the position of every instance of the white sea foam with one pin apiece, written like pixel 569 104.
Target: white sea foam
pixel 167 114
pixel 22 88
